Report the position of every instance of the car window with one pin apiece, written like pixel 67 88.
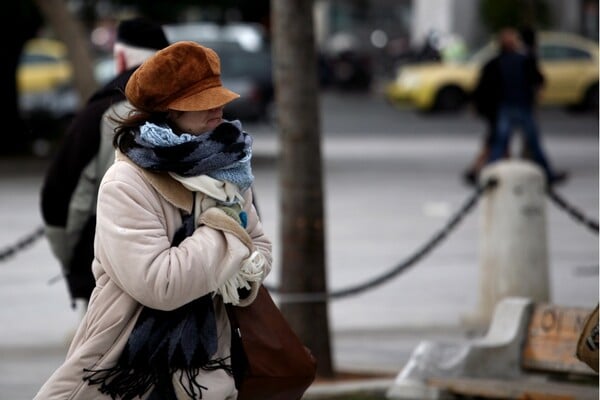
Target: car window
pixel 245 63
pixel 32 58
pixel 553 52
pixel 248 37
pixel 196 32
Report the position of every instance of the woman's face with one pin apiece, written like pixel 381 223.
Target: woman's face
pixel 196 122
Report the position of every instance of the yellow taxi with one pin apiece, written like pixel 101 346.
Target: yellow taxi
pixel 569 63
pixel 43 66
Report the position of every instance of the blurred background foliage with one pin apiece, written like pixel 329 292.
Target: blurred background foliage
pixel 170 11
pixel 498 14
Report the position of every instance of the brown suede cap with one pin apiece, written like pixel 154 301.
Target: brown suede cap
pixel 184 76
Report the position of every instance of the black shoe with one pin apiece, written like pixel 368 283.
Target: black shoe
pixel 558 178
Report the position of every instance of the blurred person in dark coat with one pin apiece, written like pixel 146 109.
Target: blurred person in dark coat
pixel 513 81
pixel 70 187
pixel 486 99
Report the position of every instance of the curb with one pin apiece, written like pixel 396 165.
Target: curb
pixel 371 387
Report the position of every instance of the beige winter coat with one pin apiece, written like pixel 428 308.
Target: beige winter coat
pixel 135 266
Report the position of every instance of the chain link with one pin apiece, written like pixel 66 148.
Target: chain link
pixel 352 290
pixel 572 211
pixel 420 253
pixel 22 244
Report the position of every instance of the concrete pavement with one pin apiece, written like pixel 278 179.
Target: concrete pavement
pixel 385 197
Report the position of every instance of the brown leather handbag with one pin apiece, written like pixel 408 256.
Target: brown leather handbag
pixel 269 360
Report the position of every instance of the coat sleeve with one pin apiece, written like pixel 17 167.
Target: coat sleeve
pixel 261 241
pixel 134 248
pixel 486 93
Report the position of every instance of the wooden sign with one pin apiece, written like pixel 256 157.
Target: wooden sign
pixel 552 339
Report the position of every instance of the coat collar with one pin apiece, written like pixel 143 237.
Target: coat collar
pixel 173 191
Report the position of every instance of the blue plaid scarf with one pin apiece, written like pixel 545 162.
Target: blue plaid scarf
pixel 223 154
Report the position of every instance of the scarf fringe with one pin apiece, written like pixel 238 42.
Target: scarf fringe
pixel 188 381
pixel 126 384
pixel 118 382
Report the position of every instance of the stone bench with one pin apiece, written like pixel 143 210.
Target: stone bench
pixel 527 353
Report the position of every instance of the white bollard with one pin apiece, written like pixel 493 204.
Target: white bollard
pixel 514 250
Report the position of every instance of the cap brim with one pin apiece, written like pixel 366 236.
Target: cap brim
pixel 205 100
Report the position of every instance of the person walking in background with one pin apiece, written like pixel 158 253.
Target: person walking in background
pixel 486 99
pixel 68 195
pixel 517 81
pixel 177 238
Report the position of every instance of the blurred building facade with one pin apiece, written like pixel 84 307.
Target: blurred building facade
pixel 359 37
pixel 462 17
pixel 416 18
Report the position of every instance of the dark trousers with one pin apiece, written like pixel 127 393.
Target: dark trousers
pixel 510 118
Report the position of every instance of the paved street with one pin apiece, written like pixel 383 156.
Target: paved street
pixel 392 179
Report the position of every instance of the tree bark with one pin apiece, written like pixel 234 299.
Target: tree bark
pixel 26 20
pixel 69 30
pixel 300 173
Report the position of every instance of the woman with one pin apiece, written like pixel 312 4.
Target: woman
pixel 177 237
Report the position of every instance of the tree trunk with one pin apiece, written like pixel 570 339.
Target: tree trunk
pixel 69 30
pixel 302 220
pixel 26 20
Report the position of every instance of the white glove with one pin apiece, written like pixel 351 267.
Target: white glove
pixel 251 271
pixel 253 267
pixel 229 290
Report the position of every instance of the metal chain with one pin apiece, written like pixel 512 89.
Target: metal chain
pixel 575 213
pixel 426 248
pixel 352 290
pixel 22 244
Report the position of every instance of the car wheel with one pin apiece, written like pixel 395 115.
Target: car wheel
pixel 590 101
pixel 449 98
